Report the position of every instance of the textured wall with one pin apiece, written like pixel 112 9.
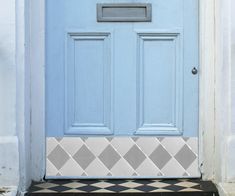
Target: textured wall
pixel 233 66
pixel 7 67
pixel 9 154
pixel 230 174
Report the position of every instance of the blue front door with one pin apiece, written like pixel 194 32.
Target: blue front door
pixel 121 79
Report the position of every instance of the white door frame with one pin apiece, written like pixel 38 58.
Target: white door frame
pixel 35 60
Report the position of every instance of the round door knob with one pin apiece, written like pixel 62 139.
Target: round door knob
pixel 194 71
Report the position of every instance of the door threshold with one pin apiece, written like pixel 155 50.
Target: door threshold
pixel 133 187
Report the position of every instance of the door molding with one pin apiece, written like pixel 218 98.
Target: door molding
pixel 176 127
pixel 35 55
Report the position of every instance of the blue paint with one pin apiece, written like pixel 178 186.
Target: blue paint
pixel 88 71
pixel 121 78
pixel 159 111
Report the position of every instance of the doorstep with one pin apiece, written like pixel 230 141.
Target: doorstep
pixel 167 187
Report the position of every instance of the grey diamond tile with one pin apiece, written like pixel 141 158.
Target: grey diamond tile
pixel 160 157
pixel 84 174
pixel 84 138
pixel 109 138
pixel 109 157
pixel 186 139
pixel 84 157
pixel 58 157
pixel 160 174
pixel 135 174
pixel 135 138
pixel 134 157
pixel 185 174
pixel 160 138
pixel 185 156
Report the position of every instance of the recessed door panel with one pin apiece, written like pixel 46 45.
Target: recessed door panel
pixel 160 83
pixel 88 81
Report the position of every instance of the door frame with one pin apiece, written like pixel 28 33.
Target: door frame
pixel 35 60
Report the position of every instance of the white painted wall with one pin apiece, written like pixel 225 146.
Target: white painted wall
pixel 7 67
pixel 23 102
pixel 226 73
pixel 233 63
pixel 230 167
pixel 9 155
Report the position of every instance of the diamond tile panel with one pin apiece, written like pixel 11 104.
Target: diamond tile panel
pixel 122 157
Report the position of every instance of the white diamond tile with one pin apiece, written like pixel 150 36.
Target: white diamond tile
pixel 193 144
pixel 51 170
pixel 102 184
pixel 122 144
pixel 173 168
pixel 71 144
pixel 147 168
pixel 122 168
pixel 159 184
pixel 71 168
pixel 102 191
pixel 131 184
pixel 74 185
pixel 51 144
pixel 173 144
pixel 161 190
pixel 193 169
pixel 132 191
pixel 74 191
pixel 189 190
pixel 97 145
pixel 96 168
pixel 187 184
pixel 147 144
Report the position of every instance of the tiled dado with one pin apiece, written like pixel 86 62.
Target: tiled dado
pixel 122 157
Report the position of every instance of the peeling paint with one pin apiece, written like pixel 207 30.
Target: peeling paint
pixel 4 190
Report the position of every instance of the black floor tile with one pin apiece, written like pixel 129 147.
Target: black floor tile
pixel 181 187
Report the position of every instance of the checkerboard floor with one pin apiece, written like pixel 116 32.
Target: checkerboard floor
pixel 125 187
